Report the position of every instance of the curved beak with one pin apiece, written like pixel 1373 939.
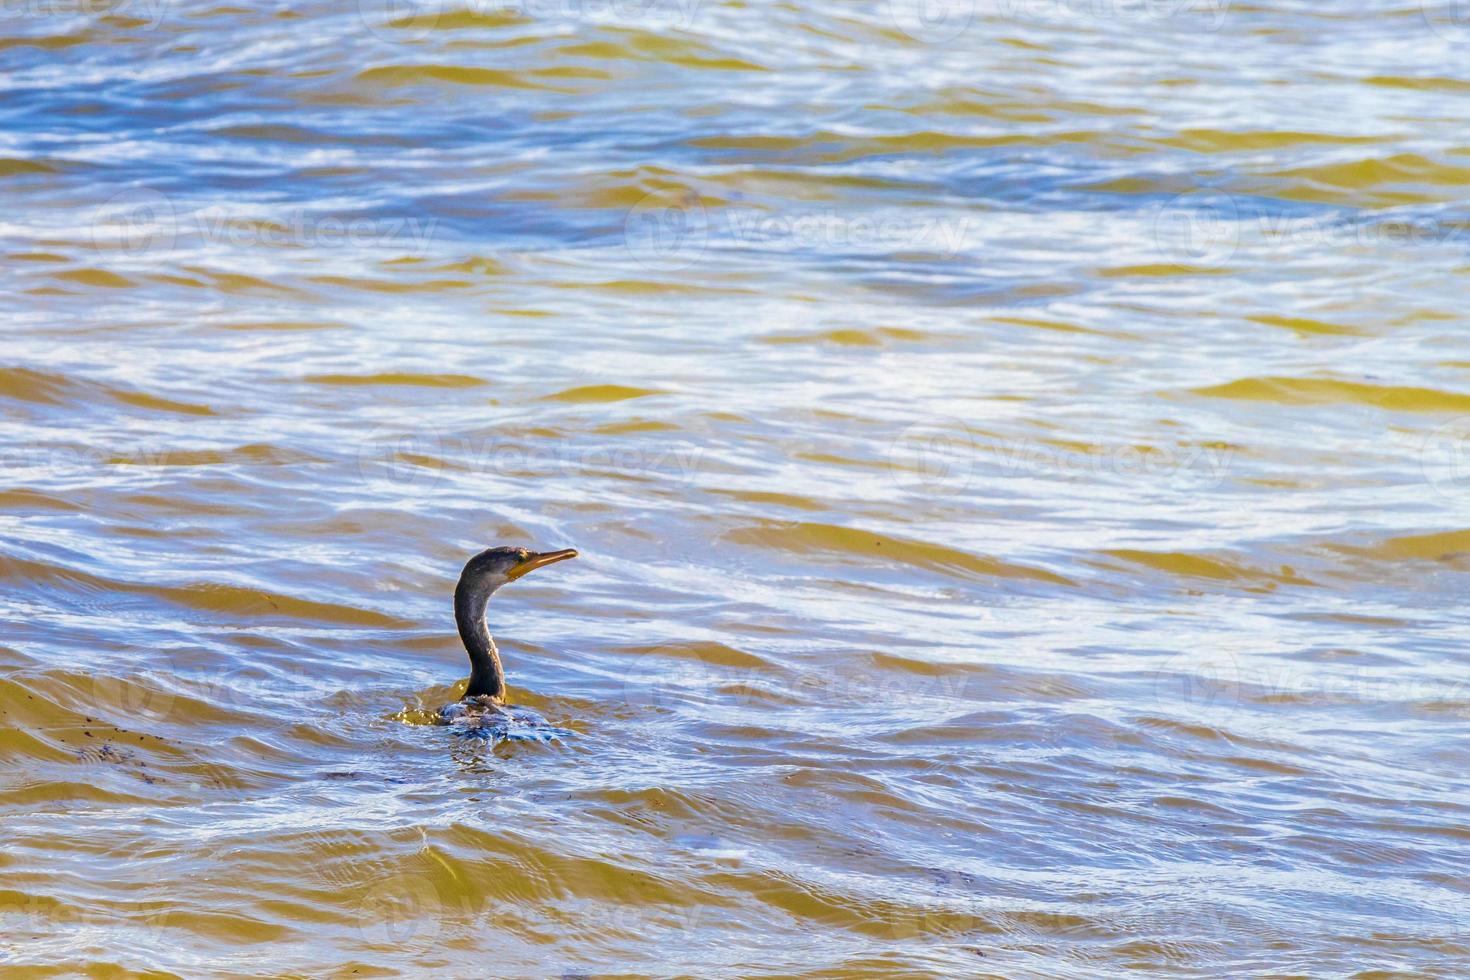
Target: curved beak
pixel 540 560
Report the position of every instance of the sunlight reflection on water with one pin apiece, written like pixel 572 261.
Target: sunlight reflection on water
pixel 1017 452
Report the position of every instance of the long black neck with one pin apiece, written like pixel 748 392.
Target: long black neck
pixel 487 678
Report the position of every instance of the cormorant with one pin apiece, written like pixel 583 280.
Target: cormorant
pixel 483 703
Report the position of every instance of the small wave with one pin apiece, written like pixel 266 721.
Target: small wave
pixel 398 379
pixel 1190 565
pixel 853 544
pixel 1329 391
pixel 597 394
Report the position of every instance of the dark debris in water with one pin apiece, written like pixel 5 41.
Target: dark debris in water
pixel 122 757
pixel 346 775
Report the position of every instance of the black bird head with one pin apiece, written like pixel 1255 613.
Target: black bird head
pixel 491 569
pixel 482 575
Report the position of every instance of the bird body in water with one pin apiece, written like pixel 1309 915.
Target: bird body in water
pixel 483 706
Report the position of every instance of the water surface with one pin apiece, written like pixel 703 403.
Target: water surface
pixel 1018 456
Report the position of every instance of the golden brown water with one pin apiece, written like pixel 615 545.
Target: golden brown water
pixel 1017 452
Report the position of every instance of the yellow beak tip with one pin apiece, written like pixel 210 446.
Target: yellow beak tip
pixel 540 560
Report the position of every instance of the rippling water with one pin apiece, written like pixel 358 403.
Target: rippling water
pixel 1019 453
